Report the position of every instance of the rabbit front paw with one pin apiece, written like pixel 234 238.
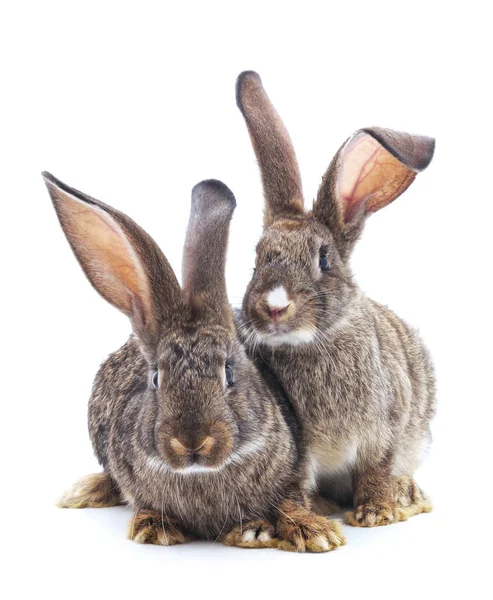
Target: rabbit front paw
pixel 301 530
pixel 149 527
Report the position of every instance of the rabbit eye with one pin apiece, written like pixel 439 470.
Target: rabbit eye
pixel 229 376
pixel 155 380
pixel 324 263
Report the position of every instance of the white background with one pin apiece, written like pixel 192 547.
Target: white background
pixel 134 103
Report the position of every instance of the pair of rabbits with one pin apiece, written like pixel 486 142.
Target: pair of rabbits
pixel 227 426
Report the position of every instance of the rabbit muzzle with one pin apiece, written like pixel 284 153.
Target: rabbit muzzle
pixel 188 447
pixel 278 313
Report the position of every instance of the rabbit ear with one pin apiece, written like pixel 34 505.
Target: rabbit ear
pixel 204 254
pixel 275 153
pixel 120 260
pixel 371 170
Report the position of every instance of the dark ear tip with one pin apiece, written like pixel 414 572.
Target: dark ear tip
pixel 52 185
pixel 430 152
pixel 242 80
pixel 213 191
pixel 51 181
pixel 416 152
pixel 247 75
pixel 49 178
pixel 55 186
pixel 425 149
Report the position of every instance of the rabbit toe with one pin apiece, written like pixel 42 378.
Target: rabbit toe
pixel 252 534
pixel 304 531
pixel 375 515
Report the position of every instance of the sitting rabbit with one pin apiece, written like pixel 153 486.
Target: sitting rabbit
pixel 186 428
pixel 359 378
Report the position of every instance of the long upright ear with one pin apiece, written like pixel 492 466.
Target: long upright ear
pixel 120 259
pixel 369 171
pixel 204 254
pixel 275 153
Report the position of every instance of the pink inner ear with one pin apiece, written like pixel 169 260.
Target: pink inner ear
pixel 369 173
pixel 107 256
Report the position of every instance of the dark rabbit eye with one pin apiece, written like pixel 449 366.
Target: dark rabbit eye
pixel 155 380
pixel 324 263
pixel 229 376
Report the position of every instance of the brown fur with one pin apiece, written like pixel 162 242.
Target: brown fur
pixel 281 178
pixel 324 506
pixel 151 527
pixel 92 491
pixel 301 530
pixel 194 456
pixel 359 378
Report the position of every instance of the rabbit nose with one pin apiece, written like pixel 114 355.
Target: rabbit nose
pixel 277 303
pixel 275 312
pixel 203 448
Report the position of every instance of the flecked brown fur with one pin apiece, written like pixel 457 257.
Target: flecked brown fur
pixel 360 379
pixel 92 491
pixel 194 455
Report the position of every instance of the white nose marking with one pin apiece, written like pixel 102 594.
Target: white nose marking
pixel 278 298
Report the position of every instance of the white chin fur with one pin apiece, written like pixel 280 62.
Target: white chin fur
pixel 198 469
pixel 157 464
pixel 294 338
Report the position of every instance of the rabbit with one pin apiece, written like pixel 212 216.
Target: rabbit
pixel 360 380
pixel 187 429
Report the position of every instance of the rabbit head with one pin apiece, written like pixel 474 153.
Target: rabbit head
pixel 197 369
pixel 302 276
